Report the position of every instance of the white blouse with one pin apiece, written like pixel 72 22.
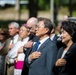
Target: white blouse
pixel 63 54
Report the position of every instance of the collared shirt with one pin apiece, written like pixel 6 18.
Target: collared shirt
pixel 15 39
pixel 52 37
pixel 13 52
pixel 41 42
pixel 63 54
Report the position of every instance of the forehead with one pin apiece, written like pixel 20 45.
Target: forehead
pixel 62 30
pixel 11 26
pixel 22 27
pixel 29 24
pixel 40 23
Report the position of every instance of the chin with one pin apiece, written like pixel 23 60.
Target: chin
pixel 38 35
pixel 63 41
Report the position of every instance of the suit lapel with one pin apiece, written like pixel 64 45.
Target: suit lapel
pixel 44 44
pixel 69 51
pixel 60 53
pixel 19 38
pixel 8 42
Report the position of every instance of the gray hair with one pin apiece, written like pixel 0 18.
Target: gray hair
pixel 35 22
pixel 15 24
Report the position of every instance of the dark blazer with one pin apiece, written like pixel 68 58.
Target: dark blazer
pixel 57 42
pixel 44 64
pixel 55 39
pixel 70 67
pixel 27 52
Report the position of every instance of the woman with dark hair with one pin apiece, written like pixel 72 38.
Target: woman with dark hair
pixel 66 59
pixel 3 36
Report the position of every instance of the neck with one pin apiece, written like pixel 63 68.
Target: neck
pixel 51 35
pixel 69 44
pixel 14 35
pixel 43 37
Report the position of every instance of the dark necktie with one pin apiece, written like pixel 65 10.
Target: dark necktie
pixel 36 45
pixel 12 39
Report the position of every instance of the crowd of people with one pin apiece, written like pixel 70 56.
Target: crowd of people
pixel 38 47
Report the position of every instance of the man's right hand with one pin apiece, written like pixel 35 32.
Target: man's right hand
pixel 34 55
pixel 28 44
pixel 10 46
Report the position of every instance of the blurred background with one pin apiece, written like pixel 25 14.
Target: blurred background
pixel 21 10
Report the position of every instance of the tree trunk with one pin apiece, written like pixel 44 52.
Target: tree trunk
pixel 33 8
pixel 55 12
pixel 70 7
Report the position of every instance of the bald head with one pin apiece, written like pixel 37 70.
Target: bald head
pixel 32 21
pixel 65 18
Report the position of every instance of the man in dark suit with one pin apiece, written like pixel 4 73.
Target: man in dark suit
pixel 56 38
pixel 42 58
pixel 31 24
pixel 53 36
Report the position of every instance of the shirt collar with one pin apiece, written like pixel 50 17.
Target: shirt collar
pixel 43 40
pixel 52 37
pixel 27 38
pixel 16 36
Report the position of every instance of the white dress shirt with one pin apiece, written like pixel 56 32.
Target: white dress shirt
pixel 12 54
pixel 42 41
pixel 63 54
pixel 15 39
pixel 52 37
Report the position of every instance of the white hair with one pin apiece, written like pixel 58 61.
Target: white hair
pixel 33 21
pixel 15 24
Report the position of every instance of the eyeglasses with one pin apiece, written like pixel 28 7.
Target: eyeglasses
pixel 28 27
pixel 39 27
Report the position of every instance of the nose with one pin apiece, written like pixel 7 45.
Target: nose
pixel 36 28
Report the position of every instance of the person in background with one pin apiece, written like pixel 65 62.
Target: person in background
pixel 58 32
pixel 3 36
pixel 66 58
pixel 31 24
pixel 14 53
pixel 43 55
pixel 65 18
pixel 13 29
pixel 53 35
pixel 58 28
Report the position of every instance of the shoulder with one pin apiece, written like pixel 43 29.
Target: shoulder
pixel 8 40
pixel 51 45
pixel 73 46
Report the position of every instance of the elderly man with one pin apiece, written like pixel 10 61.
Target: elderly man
pixel 31 24
pixel 9 43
